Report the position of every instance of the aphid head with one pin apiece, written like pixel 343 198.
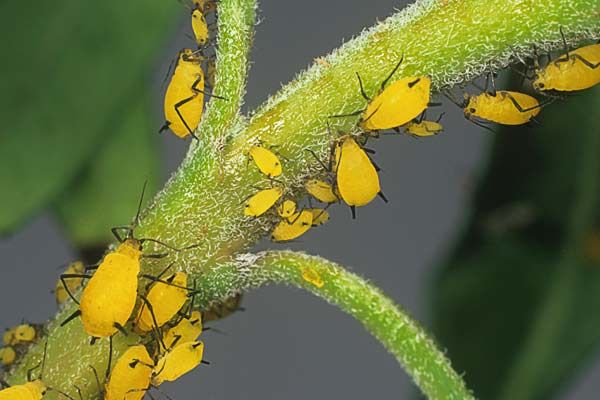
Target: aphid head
pixel 470 105
pixel 39 386
pixel 189 55
pixel 539 84
pixel 132 243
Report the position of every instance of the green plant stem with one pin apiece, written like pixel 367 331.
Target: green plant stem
pixel 528 372
pixel 451 41
pixel 398 332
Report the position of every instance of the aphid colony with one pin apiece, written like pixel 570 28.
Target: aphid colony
pixel 351 176
pixel 107 305
pixel 184 97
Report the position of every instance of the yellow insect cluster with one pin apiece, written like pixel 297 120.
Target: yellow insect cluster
pixel 184 97
pixel 16 341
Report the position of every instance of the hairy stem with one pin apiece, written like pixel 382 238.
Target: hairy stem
pixel 398 332
pixel 452 41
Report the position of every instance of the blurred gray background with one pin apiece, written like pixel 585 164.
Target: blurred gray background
pixel 289 344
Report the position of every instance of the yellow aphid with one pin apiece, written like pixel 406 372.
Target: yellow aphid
pixel 7 355
pixel 34 390
pixel 311 276
pixel 262 201
pixel 357 179
pixel 295 226
pixel 321 191
pixel 266 161
pixel 184 98
pixel 187 330
pixel 165 299
pixel 320 216
pixel 223 309
pixel 72 284
pixel 397 104
pixel 505 107
pixel 130 377
pixel 23 333
pixel 200 27
pixel 177 362
pixel 109 297
pixel 423 128
pixel 577 70
pixel 287 209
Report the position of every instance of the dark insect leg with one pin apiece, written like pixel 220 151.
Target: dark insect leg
pixel 70 276
pixel 362 89
pixel 386 80
pixel 71 317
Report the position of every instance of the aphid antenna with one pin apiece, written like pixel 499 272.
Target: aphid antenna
pixel 481 125
pixel 164 81
pixel 156 328
pixel 449 96
pixel 362 88
pixel 96 377
pixel 78 391
pixel 386 80
pixel 110 351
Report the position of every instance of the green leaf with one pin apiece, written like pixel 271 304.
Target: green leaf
pixel 108 191
pixel 516 304
pixel 69 75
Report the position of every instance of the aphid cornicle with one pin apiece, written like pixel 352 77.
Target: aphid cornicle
pixel 295 226
pixel 396 104
pixel 130 377
pixel 357 178
pixel 577 69
pixel 187 330
pixel 73 284
pixel 177 362
pixel 165 297
pixel 266 161
pixel 262 201
pixel 184 98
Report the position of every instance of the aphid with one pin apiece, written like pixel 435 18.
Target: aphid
pixel 23 333
pixel 321 191
pixel 8 355
pixel 357 179
pixel 177 362
pixel 130 377
pixel 223 309
pixel 424 128
pixel 262 201
pixel 574 70
pixel 187 330
pixel 205 5
pixel 184 98
pixel 73 284
pixel 33 389
pixel 286 209
pixel 396 104
pixel 295 226
pixel 164 299
pixel 199 27
pixel 108 299
pixel 266 161
pixel 320 216
pixel 311 276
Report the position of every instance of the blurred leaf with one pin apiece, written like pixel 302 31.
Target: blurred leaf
pixel 108 191
pixel 69 74
pixel 517 301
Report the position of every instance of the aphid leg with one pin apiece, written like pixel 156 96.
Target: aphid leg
pixel 173 60
pixel 318 159
pixel 353 114
pixel 178 249
pixel 93 340
pixel 78 392
pixel 362 89
pixel 586 62
pixel 97 379
pixel 377 168
pixel 156 328
pixel 205 362
pixel 380 194
pixel 451 97
pixel 413 83
pixel 71 317
pixel 164 127
pixel 135 362
pixel 180 104
pixel 66 287
pixel 159 275
pixel 422 116
pixel 520 108
pixel 110 351
pixel 479 124
pixel 440 117
pixel 386 80
pixel 370 115
pixel 564 40
pixel 60 392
